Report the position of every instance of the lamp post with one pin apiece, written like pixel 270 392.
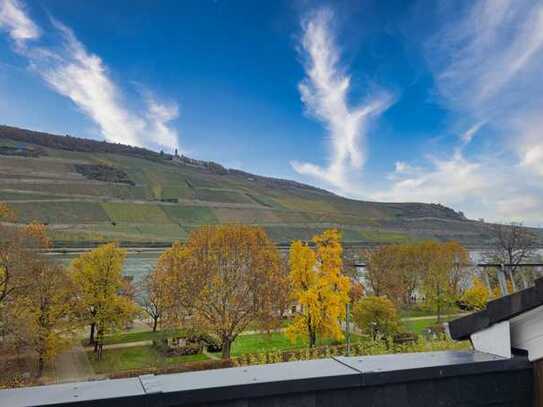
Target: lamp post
pixel 348 327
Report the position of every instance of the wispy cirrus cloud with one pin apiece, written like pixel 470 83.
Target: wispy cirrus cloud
pixel 72 71
pixel 324 93
pixel 486 64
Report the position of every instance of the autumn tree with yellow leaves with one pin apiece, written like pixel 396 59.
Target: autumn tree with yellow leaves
pixel 442 273
pixel 376 317
pixel 226 278
pixel 436 270
pixel 98 276
pixel 36 295
pixel 319 286
pixel 18 247
pixel 476 296
pixel 44 319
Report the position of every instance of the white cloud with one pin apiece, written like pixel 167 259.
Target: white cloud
pixel 487 65
pixel 72 71
pixel 446 180
pixel 468 135
pixel 324 93
pixel 14 20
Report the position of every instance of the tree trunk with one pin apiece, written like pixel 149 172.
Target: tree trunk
pixel 98 342
pixel 312 337
pixel 155 323
pixel 91 337
pixel 41 365
pixel 513 284
pixel 226 348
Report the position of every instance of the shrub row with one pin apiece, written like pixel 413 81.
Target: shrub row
pixel 186 367
pixel 378 347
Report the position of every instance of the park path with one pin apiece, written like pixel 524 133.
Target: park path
pixel 434 317
pixel 121 345
pixel 211 355
pixel 73 365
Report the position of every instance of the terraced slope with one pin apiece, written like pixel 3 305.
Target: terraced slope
pixel 95 191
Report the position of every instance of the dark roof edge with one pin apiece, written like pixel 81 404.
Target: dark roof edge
pixel 162 389
pixel 499 310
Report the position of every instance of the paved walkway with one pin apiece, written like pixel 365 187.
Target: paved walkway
pixel 211 355
pixel 73 365
pixel 434 317
pixel 121 345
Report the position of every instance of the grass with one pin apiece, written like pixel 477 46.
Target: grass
pixel 223 196
pixel 135 213
pixel 382 236
pixel 60 212
pixel 275 341
pixel 190 214
pixel 419 325
pixel 136 357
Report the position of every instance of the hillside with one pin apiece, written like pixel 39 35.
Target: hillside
pixel 89 190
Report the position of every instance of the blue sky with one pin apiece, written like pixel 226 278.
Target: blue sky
pixel 375 100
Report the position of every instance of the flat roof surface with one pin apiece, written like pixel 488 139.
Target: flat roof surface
pixel 71 392
pixel 263 380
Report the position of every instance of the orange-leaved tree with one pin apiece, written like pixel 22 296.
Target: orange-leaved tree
pixel 319 286
pixel 18 248
pixel 44 317
pixel 159 301
pixel 227 277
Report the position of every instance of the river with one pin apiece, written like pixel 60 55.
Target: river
pixel 139 263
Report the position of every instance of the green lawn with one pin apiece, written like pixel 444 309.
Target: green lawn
pixel 275 341
pixel 419 310
pixel 419 325
pixel 136 357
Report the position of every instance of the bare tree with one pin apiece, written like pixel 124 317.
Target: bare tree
pixel 513 244
pixel 153 294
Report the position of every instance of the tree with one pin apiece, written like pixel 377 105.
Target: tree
pixel 19 247
pixel 44 315
pixel 227 277
pixel 17 252
pixel 156 285
pixel 36 297
pixel 319 286
pixel 512 244
pixel 443 270
pixel 376 316
pixel 357 291
pixel 393 271
pixel 476 296
pixel 98 276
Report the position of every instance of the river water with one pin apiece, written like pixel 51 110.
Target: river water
pixel 139 263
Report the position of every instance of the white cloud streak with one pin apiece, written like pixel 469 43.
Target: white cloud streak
pixel 14 20
pixel 72 71
pixel 487 65
pixel 324 93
